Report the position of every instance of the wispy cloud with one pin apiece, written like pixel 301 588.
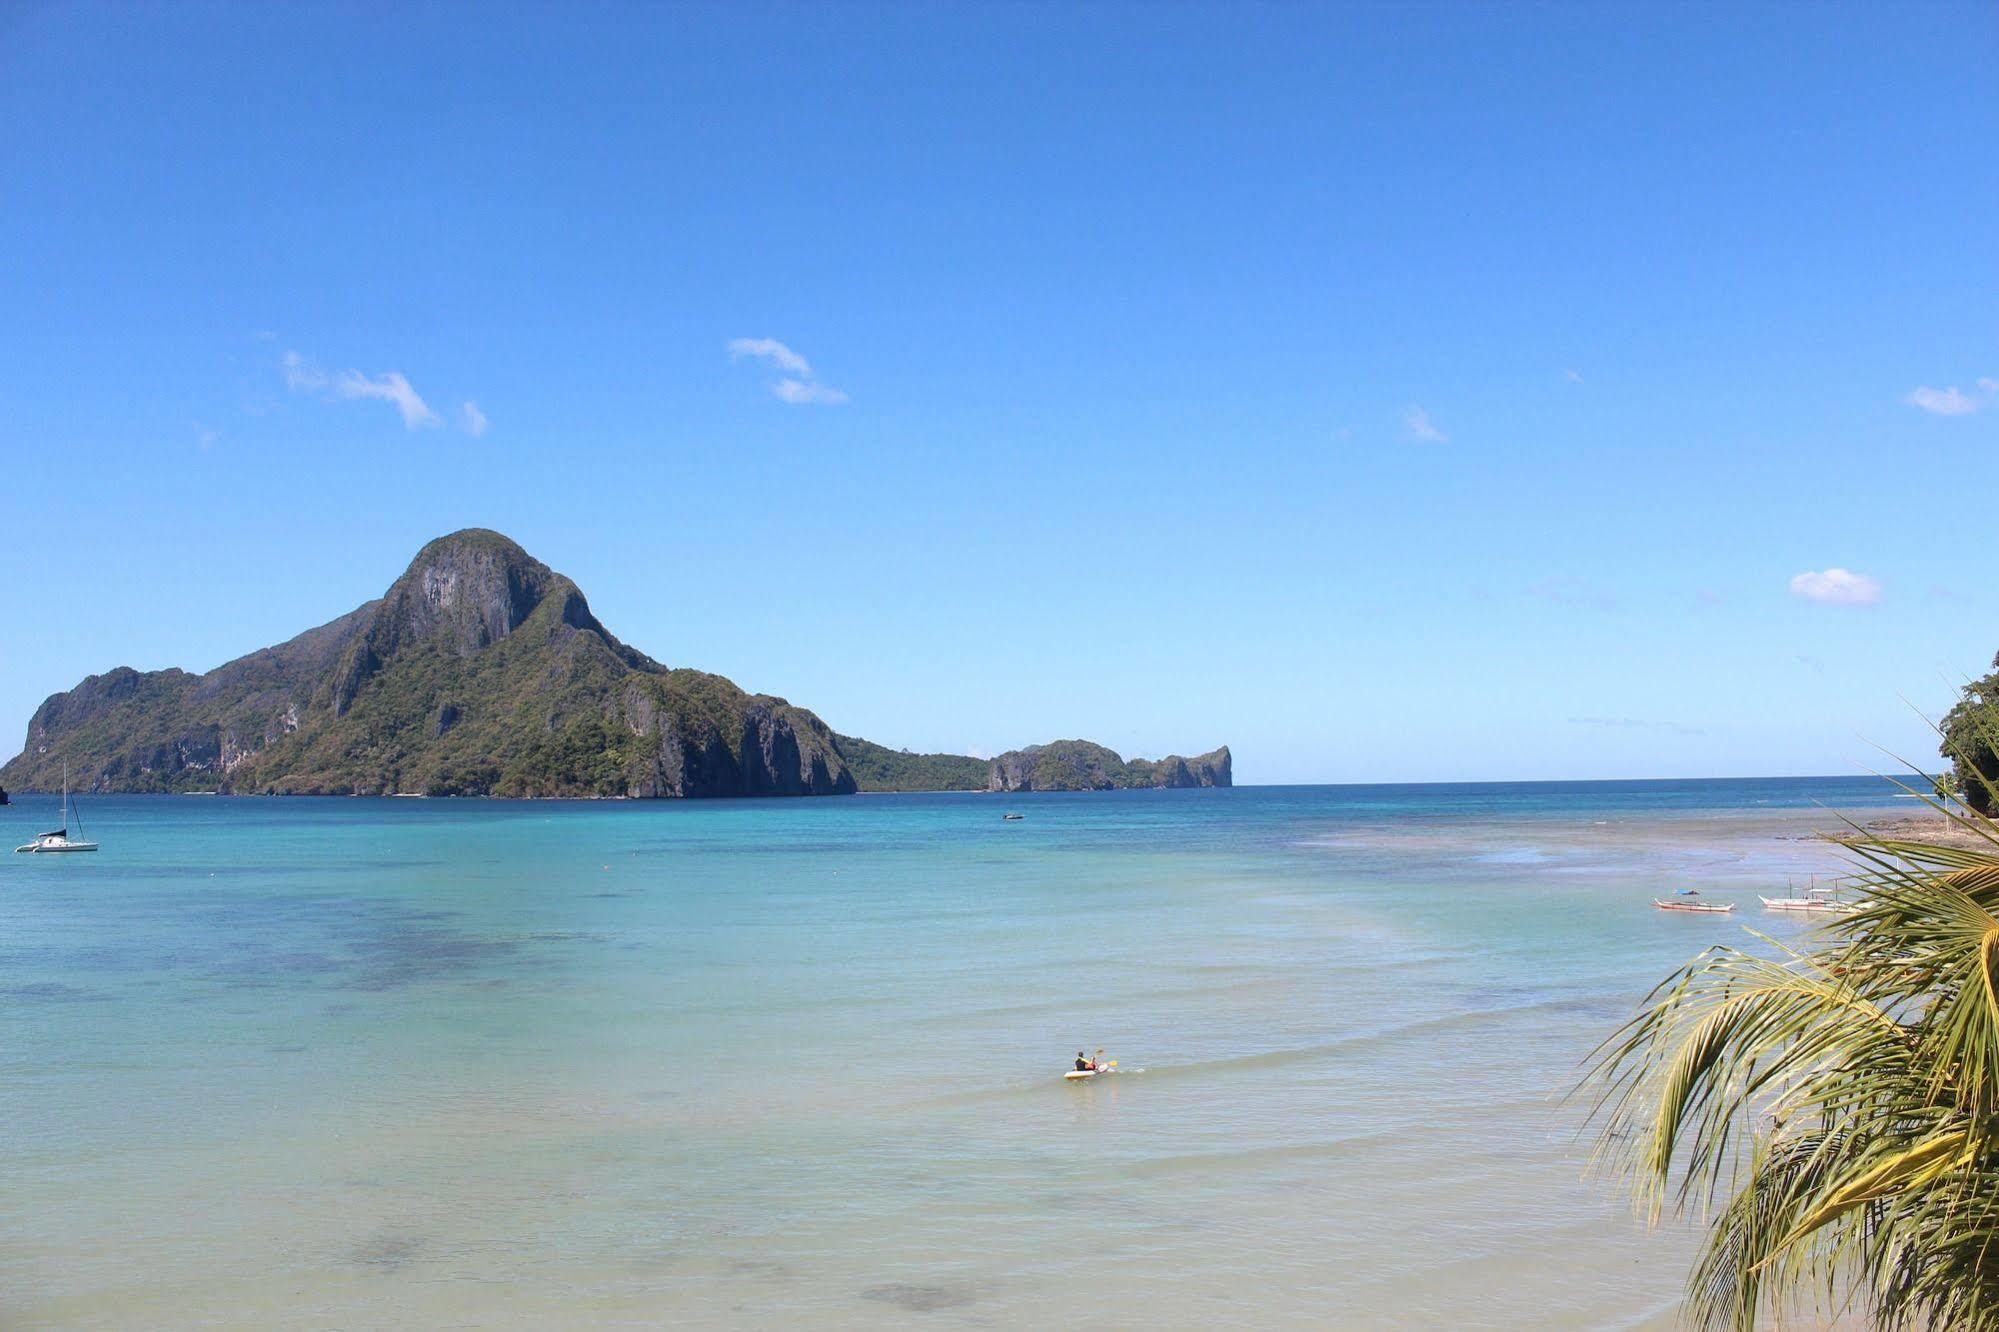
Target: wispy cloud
pixel 770 349
pixel 390 388
pixel 798 384
pixel 805 390
pixel 1952 400
pixel 1836 587
pixel 1569 591
pixel 205 436
pixel 303 375
pixel 1573 376
pixel 1637 724
pixel 472 419
pixel 1420 427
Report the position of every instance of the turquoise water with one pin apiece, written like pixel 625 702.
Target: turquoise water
pixel 318 1063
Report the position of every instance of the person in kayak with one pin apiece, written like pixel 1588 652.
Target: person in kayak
pixel 1083 1065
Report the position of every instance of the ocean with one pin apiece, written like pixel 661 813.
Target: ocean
pixel 318 1063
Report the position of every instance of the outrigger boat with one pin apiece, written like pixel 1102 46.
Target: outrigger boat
pixel 59 839
pixel 1815 899
pixel 1680 903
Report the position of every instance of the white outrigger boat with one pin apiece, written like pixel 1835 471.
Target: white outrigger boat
pixel 59 839
pixel 1815 899
pixel 1684 902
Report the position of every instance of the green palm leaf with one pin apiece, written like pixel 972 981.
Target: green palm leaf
pixel 1838 1108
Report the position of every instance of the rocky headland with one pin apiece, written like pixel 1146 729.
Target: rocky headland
pixel 1080 765
pixel 481 671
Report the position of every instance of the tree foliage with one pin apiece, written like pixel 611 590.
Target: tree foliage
pixel 1838 1105
pixel 1971 742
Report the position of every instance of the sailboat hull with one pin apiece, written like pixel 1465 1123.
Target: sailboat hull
pixel 57 839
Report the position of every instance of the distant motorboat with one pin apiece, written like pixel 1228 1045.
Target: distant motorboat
pixel 1011 817
pixel 59 839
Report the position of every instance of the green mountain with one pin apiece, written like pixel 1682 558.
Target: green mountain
pixel 879 768
pixel 481 671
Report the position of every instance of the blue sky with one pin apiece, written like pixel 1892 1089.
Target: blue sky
pixel 1392 392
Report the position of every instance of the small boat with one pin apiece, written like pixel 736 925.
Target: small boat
pixel 1815 899
pixel 1682 901
pixel 1010 818
pixel 1085 1074
pixel 59 839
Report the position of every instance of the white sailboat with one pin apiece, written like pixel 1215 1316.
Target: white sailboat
pixel 59 839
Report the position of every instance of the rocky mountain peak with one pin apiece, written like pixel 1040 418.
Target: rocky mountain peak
pixel 474 587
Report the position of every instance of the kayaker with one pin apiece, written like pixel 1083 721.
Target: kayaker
pixel 1083 1065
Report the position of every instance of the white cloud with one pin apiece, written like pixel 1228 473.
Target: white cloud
pixel 770 349
pixel 1421 427
pixel 205 435
pixel 1637 724
pixel 389 388
pixel 798 384
pixel 303 375
pixel 1951 401
pixel 800 390
pixel 1573 376
pixel 1836 587
pixel 472 419
pixel 1565 590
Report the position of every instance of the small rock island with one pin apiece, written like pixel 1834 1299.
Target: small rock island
pixel 1078 765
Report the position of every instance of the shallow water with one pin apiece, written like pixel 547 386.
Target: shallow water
pixel 316 1063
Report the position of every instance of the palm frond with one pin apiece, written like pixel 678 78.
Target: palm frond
pixel 1836 1110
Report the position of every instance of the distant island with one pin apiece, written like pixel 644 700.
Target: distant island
pixel 481 671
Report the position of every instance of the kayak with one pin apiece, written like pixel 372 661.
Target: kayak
pixel 1085 1074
